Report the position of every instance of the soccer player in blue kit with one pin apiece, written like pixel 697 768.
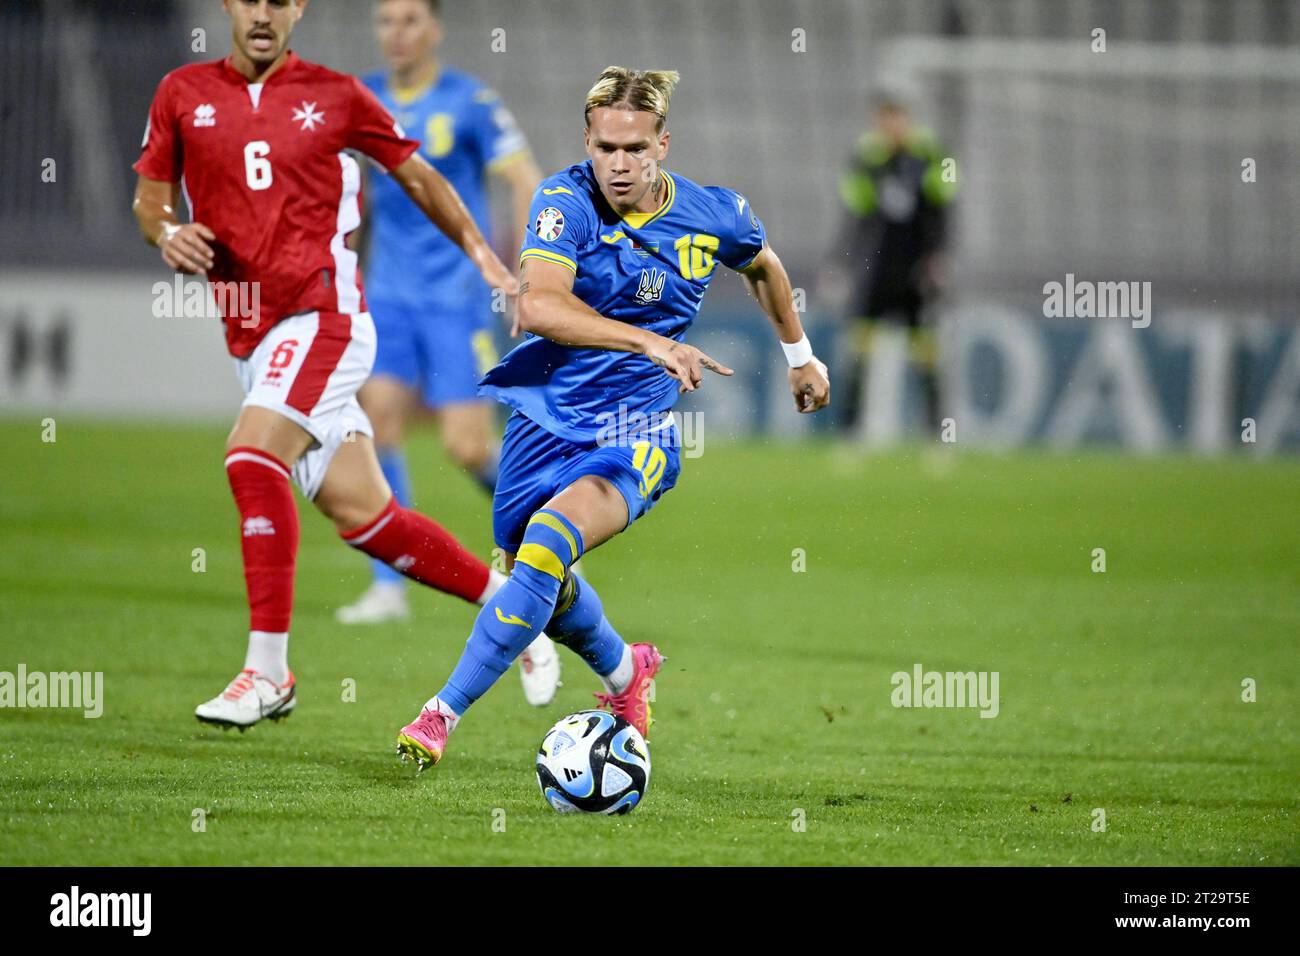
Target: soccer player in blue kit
pixel 614 268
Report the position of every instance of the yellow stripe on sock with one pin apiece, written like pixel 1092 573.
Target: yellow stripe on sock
pixel 556 525
pixel 542 558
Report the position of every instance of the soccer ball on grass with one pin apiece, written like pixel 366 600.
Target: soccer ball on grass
pixel 593 762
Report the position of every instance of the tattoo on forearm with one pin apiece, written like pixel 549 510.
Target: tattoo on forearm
pixel 524 286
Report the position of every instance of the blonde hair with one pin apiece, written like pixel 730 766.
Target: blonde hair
pixel 637 90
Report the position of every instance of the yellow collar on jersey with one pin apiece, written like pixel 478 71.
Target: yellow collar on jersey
pixel 639 220
pixel 406 95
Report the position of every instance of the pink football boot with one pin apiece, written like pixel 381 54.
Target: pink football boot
pixel 425 738
pixel 633 705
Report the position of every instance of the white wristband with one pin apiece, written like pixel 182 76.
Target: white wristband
pixel 798 354
pixel 169 229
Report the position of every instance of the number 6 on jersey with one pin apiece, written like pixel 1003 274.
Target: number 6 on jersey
pixel 257 168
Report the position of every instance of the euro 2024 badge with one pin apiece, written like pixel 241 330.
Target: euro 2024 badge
pixel 549 225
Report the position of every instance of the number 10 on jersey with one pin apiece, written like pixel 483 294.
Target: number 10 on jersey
pixel 695 255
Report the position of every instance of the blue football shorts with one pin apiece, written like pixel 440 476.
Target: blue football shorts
pixel 536 465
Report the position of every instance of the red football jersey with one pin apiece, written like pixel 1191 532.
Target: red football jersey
pixel 263 166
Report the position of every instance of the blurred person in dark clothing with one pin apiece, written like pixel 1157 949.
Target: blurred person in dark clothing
pixel 896 192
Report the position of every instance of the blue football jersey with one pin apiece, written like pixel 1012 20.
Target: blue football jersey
pixel 464 129
pixel 649 269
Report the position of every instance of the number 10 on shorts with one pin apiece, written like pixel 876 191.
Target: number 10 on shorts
pixel 650 460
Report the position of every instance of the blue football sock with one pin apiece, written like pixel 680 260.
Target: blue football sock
pixel 393 464
pixel 580 625
pixel 518 612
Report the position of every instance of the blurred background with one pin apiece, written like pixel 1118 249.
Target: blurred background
pixel 1133 141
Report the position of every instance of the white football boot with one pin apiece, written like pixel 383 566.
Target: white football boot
pixel 539 664
pixel 539 669
pixel 381 602
pixel 247 699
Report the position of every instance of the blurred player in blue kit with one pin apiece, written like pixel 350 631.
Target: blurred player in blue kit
pixel 433 316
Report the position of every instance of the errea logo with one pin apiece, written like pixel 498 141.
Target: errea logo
pixel 205 114
pixel 258 525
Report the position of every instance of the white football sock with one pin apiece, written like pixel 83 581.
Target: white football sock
pixel 268 654
pixel 495 580
pixel 616 681
pixel 436 704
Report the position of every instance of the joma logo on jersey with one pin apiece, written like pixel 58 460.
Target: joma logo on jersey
pixel 652 285
pixel 205 114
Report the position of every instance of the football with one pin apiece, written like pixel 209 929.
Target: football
pixel 593 762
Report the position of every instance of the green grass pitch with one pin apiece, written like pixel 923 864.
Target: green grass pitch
pixel 1119 691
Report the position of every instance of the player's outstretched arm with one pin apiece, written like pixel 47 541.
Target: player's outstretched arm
pixel 548 307
pixel 769 283
pixel 184 246
pixel 439 200
pixel 521 176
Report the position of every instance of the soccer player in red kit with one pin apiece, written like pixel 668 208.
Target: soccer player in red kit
pixel 258 144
